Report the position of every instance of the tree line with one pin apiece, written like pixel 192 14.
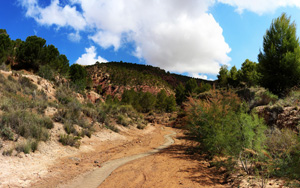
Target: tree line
pixel 35 55
pixel 278 67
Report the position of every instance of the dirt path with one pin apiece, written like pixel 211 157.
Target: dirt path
pixel 94 178
pixel 171 167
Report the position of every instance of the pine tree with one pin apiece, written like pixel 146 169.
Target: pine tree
pixel 279 62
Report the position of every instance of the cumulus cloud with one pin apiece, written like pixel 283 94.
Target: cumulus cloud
pixel 176 35
pixel 54 14
pixel 260 6
pixel 90 57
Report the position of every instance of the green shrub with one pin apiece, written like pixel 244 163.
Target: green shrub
pixel 46 72
pixel 27 124
pixel 122 120
pixel 86 132
pixel 69 128
pixel 111 127
pixel 28 146
pixel 221 128
pixel 7 133
pixel 70 140
pixel 64 95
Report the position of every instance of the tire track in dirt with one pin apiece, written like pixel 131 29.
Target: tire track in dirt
pixel 94 178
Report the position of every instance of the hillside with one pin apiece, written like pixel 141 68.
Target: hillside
pixel 114 77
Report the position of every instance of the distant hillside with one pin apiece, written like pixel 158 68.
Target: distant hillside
pixel 114 77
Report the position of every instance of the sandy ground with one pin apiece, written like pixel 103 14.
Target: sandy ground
pixel 58 166
pixel 170 168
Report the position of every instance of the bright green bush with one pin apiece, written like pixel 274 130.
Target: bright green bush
pixel 221 128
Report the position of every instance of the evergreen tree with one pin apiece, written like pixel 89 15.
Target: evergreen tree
pixel 248 73
pixel 79 76
pixel 31 53
pixel 180 94
pixel 233 77
pixel 191 87
pixel 161 100
pixel 5 46
pixel 280 59
pixel 223 76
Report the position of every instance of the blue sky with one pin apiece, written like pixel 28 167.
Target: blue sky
pixel 193 37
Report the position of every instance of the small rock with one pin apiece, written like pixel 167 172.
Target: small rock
pixel 21 155
pixel 96 162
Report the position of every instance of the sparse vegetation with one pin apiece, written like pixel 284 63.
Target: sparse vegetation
pixel 70 140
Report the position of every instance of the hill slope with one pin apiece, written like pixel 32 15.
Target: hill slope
pixel 113 77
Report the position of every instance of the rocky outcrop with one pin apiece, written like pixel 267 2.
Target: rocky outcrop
pixel 281 117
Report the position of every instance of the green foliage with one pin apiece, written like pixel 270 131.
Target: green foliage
pixel 122 120
pixel 30 53
pixel 147 102
pixel 34 54
pixel 111 127
pixel 46 72
pixel 223 76
pixel 161 100
pixel 70 140
pixel 191 87
pixel 204 87
pixel 170 104
pixel 27 124
pixel 248 73
pixel 221 128
pixel 5 46
pixel 27 147
pixel 279 62
pixel 79 76
pixel 233 77
pixel 283 147
pixel 180 94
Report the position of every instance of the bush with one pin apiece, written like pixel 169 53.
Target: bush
pixel 46 72
pixel 26 83
pixel 27 124
pixel 70 140
pixel 28 146
pixel 7 133
pixel 122 120
pixel 284 146
pixel 64 95
pixel 221 128
pixel 111 127
pixel 69 128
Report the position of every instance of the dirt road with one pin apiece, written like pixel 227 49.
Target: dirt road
pixel 131 164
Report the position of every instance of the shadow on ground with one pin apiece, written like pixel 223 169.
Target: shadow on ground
pixel 185 148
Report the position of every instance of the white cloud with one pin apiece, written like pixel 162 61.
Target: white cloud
pixel 54 14
pixel 260 6
pixel 75 37
pixel 90 57
pixel 196 75
pixel 107 39
pixel 176 35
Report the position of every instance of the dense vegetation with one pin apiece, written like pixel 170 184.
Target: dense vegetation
pixel 122 73
pixel 146 102
pixel 226 123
